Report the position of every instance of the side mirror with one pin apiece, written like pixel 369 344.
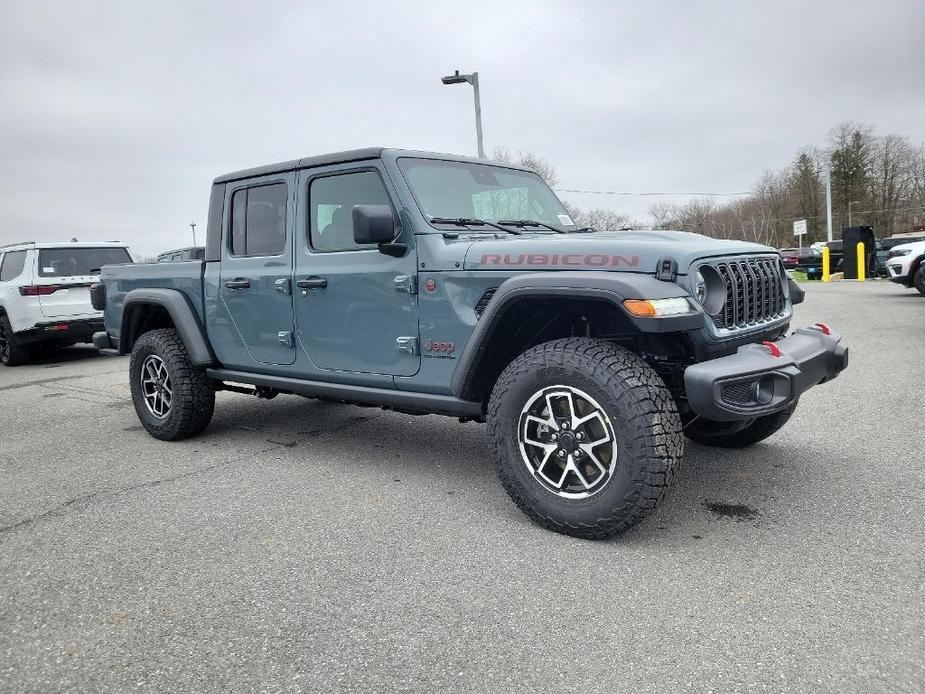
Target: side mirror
pixel 373 224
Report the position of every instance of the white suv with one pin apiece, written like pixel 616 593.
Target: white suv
pixel 45 293
pixel 906 265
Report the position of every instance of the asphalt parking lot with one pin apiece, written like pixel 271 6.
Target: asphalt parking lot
pixel 301 546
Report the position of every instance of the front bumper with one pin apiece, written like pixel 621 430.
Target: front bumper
pixel 760 379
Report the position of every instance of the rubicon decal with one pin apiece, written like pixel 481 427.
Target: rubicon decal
pixel 559 260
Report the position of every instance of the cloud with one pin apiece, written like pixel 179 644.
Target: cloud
pixel 117 116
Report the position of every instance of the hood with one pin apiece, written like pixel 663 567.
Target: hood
pixel 631 251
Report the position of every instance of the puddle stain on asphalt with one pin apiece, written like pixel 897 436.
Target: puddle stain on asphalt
pixel 738 512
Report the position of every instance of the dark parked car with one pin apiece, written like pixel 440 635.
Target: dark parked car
pixel 791 257
pixel 191 253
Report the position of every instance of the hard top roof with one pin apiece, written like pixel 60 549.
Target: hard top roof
pixel 19 245
pixel 350 155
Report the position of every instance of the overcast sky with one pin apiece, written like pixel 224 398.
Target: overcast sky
pixel 115 117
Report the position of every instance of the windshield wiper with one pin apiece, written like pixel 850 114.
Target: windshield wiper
pixel 466 221
pixel 529 223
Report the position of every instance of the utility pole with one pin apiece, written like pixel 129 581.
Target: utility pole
pixel 472 79
pixel 192 226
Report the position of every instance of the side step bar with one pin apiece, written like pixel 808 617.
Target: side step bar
pixel 425 403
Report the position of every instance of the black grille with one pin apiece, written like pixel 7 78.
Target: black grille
pixel 738 393
pixel 754 292
pixel 483 302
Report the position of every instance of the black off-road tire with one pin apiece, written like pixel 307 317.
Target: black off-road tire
pixel 646 428
pixel 733 435
pixel 12 353
pixel 918 279
pixel 193 399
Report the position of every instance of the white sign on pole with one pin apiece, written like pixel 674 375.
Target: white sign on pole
pixel 799 230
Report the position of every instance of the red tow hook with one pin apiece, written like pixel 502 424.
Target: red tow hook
pixel 772 348
pixel 826 330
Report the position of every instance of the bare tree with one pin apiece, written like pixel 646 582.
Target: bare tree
pixel 602 219
pixel 528 160
pixel 665 215
pixel 892 178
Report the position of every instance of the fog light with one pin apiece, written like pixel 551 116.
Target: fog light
pixel 763 390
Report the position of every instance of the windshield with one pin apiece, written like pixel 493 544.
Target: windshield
pixel 452 189
pixel 69 262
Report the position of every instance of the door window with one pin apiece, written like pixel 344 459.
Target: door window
pixel 12 266
pixel 331 201
pixel 258 220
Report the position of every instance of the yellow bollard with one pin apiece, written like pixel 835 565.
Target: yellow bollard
pixel 826 264
pixel 861 261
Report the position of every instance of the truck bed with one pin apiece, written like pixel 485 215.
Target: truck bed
pixel 185 276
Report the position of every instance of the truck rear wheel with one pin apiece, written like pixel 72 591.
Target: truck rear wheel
pixel 173 397
pixel 585 436
pixel 11 352
pixel 737 434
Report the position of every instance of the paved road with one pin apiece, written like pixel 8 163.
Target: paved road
pixel 299 546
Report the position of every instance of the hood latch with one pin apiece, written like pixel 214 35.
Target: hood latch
pixel 667 270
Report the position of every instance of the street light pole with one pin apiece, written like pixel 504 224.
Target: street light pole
pixel 472 79
pixel 478 114
pixel 192 226
pixel 828 202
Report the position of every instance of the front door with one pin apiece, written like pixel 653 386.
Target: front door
pixel 256 271
pixel 356 308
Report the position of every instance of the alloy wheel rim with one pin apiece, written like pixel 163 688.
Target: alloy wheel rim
pixel 567 442
pixel 156 388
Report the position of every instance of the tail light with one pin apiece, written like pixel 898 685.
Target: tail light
pixel 39 289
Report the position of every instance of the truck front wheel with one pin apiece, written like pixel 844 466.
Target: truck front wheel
pixel 737 434
pixel 585 436
pixel 173 397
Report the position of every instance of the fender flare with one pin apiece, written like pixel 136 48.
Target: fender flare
pixel 915 264
pixel 610 287
pixel 190 329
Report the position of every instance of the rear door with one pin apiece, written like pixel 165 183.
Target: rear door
pixel 256 270
pixel 64 276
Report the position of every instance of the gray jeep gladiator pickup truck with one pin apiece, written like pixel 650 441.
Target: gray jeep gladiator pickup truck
pixel 435 284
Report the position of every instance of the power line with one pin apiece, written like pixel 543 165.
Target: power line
pixel 839 215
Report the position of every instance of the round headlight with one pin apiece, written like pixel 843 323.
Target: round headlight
pixel 709 289
pixel 700 287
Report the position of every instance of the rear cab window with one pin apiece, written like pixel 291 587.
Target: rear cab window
pixel 258 220
pixel 77 262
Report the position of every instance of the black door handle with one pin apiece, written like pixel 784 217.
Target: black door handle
pixel 312 283
pixel 238 284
